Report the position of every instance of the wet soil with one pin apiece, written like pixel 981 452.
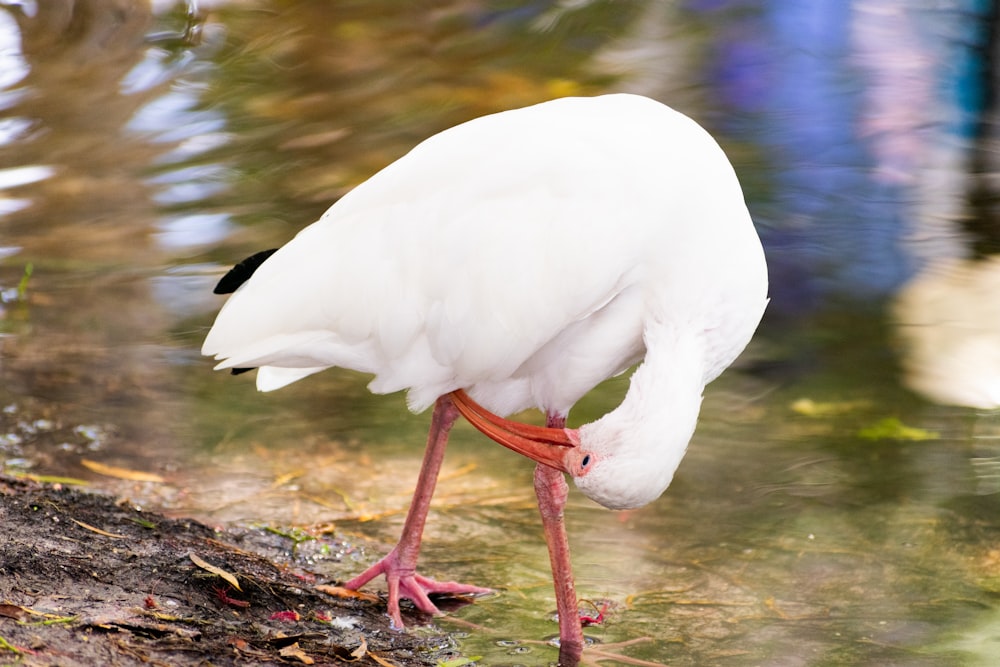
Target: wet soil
pixel 88 580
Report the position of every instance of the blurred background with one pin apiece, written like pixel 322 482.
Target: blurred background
pixel 840 502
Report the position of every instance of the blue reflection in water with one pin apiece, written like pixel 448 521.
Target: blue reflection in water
pixel 857 107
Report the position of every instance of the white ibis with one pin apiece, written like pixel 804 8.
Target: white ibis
pixel 516 261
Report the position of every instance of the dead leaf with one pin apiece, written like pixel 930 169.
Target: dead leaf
pixel 288 616
pixel 281 480
pixel 382 661
pixel 293 651
pixel 120 473
pixel 361 650
pixel 238 644
pixel 346 593
pixel 208 567
pixel 14 611
pixel 97 530
pixel 49 479
pixel 21 613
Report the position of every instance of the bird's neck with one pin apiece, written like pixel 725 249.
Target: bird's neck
pixel 665 392
pixel 646 436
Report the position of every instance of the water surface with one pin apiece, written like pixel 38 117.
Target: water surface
pixel 839 502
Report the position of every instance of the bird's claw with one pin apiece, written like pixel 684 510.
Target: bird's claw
pixel 404 582
pixel 418 590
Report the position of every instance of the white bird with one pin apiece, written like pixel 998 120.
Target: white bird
pixel 516 261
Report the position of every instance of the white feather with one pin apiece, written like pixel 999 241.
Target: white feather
pixel 523 256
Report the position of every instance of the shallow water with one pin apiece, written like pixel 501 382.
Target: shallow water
pixel 833 508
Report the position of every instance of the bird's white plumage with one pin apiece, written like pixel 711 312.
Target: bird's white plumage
pixel 524 256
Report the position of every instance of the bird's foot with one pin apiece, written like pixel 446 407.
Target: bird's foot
pixel 404 582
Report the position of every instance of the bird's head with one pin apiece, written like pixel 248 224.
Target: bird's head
pixel 611 463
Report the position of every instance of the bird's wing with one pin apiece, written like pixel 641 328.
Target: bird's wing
pixel 458 262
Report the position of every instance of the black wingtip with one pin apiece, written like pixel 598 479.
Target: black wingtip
pixel 241 273
pixel 240 371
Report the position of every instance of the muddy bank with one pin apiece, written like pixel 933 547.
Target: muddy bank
pixel 86 580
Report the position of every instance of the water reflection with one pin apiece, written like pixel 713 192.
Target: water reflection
pixel 141 150
pixel 862 108
pixel 949 321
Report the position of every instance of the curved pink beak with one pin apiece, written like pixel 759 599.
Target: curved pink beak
pixel 549 446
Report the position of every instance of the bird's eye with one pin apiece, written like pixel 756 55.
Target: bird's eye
pixel 586 461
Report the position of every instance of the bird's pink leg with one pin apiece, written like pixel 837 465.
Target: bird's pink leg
pixel 400 565
pixel 552 491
